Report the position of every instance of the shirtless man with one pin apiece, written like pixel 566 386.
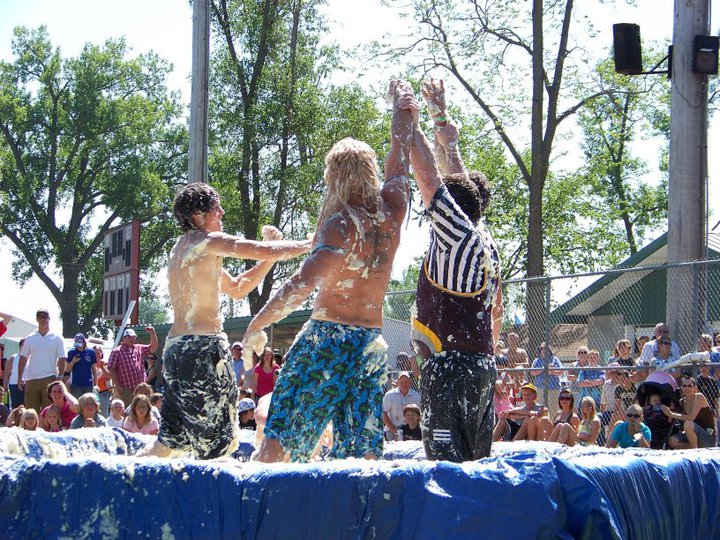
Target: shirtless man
pixel 517 358
pixel 199 412
pixel 336 369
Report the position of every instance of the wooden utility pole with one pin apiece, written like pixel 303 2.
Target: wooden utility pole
pixel 688 172
pixel 198 151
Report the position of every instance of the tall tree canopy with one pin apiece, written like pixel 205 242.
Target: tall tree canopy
pixel 621 205
pixel 87 143
pixel 513 59
pixel 274 116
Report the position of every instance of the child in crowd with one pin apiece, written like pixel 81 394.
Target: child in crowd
pixel 29 420
pixel 140 419
pixel 411 427
pixel 88 413
pixel 117 409
pixel 53 424
pixel 246 414
pixel 156 401
pixel 144 389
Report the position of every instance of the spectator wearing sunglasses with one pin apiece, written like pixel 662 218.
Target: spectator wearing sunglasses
pixel 652 348
pixel 632 432
pixel 697 416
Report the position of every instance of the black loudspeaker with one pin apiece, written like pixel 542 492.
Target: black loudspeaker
pixel 705 54
pixel 628 52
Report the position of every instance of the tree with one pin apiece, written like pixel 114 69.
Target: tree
pixel 511 58
pixel 623 206
pixel 274 117
pixel 87 143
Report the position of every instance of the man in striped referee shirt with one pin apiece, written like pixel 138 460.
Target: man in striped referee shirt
pixel 457 296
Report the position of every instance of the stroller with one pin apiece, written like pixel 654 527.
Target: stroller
pixel 663 384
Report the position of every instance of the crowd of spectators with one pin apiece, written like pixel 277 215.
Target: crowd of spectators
pixel 591 401
pixel 677 408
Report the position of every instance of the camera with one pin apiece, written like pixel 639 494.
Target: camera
pixel 657 408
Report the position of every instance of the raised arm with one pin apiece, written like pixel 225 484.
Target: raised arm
pixel 239 287
pixel 325 259
pixel 6 319
pixel 447 152
pixel 401 132
pixel 225 245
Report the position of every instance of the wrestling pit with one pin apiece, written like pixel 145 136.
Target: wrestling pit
pixel 87 484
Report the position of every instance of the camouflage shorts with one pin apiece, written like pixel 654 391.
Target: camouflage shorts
pixel 332 372
pixel 199 410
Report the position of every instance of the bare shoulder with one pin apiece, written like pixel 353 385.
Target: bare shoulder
pixel 396 192
pixel 337 231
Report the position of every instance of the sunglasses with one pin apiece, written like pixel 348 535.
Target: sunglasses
pixel 565 398
pixel 632 415
pixel 666 343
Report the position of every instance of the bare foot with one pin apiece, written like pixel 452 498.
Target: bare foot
pixel 157 449
pixel 270 451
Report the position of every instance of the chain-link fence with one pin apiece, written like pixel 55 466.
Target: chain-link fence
pixel 611 314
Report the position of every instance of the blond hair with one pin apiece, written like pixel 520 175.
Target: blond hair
pixel 26 415
pixel 351 170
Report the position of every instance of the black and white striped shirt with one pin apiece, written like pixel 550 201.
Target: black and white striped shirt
pixel 461 255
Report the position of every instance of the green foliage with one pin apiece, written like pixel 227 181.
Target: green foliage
pixel 622 207
pixel 87 143
pixel 274 116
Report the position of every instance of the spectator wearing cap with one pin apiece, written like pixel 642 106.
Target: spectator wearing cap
pixel 80 367
pixel 42 360
pixel 246 414
pixel 126 365
pixel 652 348
pixel 238 366
pixel 522 422
pixel 395 401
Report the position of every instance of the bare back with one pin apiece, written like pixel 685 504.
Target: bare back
pixel 354 291
pixel 194 280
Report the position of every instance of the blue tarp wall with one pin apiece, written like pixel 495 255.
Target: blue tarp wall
pixel 87 484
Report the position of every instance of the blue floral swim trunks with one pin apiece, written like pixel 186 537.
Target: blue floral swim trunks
pixel 332 372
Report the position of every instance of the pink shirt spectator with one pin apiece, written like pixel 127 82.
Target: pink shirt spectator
pixel 66 415
pixel 265 381
pixel 128 362
pixel 147 429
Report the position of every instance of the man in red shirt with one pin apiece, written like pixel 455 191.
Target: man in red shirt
pixel 126 365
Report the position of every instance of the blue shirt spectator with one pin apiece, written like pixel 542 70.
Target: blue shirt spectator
pixel 553 380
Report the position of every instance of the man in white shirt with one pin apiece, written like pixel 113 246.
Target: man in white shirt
pixel 42 359
pixel 651 350
pixel 394 402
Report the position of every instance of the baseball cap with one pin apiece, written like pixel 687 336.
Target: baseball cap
pixel 129 332
pixel 403 374
pixel 80 336
pixel 529 386
pixel 42 311
pixel 246 404
pixel 236 344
